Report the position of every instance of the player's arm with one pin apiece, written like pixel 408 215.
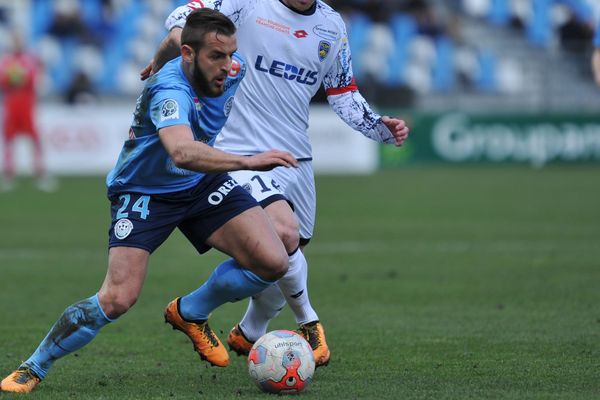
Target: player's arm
pixel 192 155
pixel 352 108
pixel 170 47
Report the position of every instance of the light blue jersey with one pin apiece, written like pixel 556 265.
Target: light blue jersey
pixel 597 36
pixel 168 99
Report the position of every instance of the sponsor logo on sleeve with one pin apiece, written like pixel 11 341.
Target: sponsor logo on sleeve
pixel 169 110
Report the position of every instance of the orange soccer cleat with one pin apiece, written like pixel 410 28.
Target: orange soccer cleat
pixel 238 342
pixel 23 380
pixel 206 343
pixel 314 334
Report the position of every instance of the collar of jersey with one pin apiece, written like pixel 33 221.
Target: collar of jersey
pixel 310 11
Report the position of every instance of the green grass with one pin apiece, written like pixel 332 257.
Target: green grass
pixel 432 283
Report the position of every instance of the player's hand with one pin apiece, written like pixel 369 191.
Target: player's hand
pixel 271 159
pixel 398 129
pixel 146 72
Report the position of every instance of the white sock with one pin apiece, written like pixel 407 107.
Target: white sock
pixel 266 305
pixel 262 308
pixel 293 285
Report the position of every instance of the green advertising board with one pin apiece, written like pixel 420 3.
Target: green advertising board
pixel 534 139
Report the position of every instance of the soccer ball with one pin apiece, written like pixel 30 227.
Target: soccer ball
pixel 281 362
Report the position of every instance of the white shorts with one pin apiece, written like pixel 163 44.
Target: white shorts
pixel 296 184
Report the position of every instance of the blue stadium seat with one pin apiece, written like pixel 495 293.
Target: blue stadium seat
pixel 404 28
pixel 358 27
pixel 115 51
pixel 499 13
pixel 539 28
pixel 486 80
pixel 444 76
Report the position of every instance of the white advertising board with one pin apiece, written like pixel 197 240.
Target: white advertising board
pixel 86 140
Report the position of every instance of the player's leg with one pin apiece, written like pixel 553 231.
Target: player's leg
pixel 8 174
pixel 303 195
pixel 81 322
pixel 127 263
pixel 241 229
pixel 264 307
pixel 44 181
pixel 268 188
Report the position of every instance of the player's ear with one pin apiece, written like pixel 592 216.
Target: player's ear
pixel 187 53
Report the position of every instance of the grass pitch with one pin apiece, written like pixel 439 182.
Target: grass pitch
pixel 432 283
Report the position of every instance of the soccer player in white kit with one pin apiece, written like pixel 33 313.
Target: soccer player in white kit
pixel 291 48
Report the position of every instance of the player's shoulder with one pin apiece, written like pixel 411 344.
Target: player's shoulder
pixel 170 77
pixel 325 11
pixel 330 24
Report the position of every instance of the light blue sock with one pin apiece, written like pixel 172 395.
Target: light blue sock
pixel 76 327
pixel 229 282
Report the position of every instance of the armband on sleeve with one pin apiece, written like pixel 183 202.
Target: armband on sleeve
pixel 354 110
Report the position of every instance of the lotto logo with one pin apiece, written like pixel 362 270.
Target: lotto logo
pixel 301 34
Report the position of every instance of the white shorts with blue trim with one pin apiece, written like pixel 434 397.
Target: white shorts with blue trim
pixel 297 185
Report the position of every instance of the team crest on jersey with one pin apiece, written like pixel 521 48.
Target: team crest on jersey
pixel 248 187
pixel 324 48
pixel 227 106
pixel 123 228
pixel 169 110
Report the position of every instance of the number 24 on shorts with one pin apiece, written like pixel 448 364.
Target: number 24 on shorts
pixel 140 206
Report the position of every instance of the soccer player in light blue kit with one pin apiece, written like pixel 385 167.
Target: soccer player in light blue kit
pixel 596 55
pixel 169 176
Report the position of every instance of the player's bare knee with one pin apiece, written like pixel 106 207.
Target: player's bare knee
pixel 289 237
pixel 274 266
pixel 288 232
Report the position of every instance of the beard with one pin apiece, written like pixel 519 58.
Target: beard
pixel 203 84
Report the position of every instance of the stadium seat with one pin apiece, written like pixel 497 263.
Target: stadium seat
pixel 404 29
pixel 358 27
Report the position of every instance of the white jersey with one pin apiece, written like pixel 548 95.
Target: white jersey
pixel 289 55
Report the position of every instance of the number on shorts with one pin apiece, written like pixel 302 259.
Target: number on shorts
pixel 140 206
pixel 264 187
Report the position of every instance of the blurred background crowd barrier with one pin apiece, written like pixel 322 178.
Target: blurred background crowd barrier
pixel 478 80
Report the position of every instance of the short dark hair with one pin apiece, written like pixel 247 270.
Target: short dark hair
pixel 202 21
